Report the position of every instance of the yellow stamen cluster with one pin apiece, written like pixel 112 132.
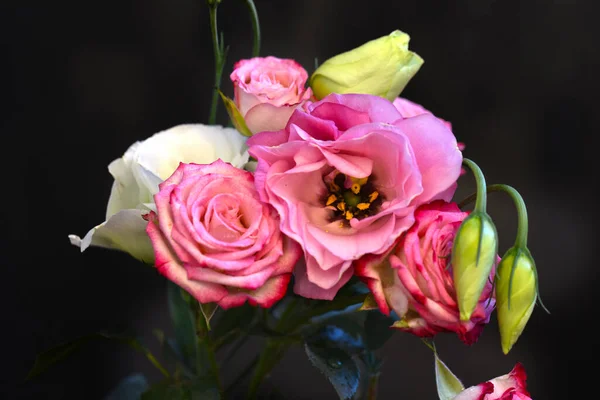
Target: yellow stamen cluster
pixel 354 199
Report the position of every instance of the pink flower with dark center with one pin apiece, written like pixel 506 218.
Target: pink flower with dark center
pixel 267 90
pixel 416 280
pixel 214 237
pixel 346 175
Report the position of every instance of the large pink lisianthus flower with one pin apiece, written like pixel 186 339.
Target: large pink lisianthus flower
pixel 511 386
pixel 346 175
pixel 267 90
pixel 415 278
pixel 213 236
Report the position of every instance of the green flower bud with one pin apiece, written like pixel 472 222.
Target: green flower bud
pixel 474 253
pixel 516 294
pixel 380 67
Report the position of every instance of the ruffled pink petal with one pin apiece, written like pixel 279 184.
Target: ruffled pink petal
pixel 410 109
pixel 319 129
pixel 305 288
pixel 244 100
pixel 376 272
pixel 377 238
pixel 436 152
pixel 478 392
pixel 268 138
pixel 514 382
pixel 343 117
pixel 266 296
pixel 167 264
pixel 351 165
pixel 378 108
pixel 265 117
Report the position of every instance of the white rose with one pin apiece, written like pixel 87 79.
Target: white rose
pixel 138 173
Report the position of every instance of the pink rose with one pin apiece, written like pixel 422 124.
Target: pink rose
pixel 267 90
pixel 511 386
pixel 421 288
pixel 214 237
pixel 346 175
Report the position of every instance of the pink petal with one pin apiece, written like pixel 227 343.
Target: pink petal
pixel 378 108
pixel 305 288
pixel 436 152
pixel 267 117
pixel 478 392
pixel 167 264
pixel 266 296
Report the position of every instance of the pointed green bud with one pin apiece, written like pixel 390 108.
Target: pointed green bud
pixel 474 254
pixel 516 294
pixel 381 67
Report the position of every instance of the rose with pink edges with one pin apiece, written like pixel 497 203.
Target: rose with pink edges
pixel 346 175
pixel 417 280
pixel 213 236
pixel 511 386
pixel 267 90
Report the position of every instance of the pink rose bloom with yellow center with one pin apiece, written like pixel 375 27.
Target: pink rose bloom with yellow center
pixel 417 281
pixel 213 236
pixel 267 90
pixel 346 175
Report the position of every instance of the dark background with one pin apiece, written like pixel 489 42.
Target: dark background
pixel 83 81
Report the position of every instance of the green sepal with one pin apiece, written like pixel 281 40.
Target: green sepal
pixel 236 117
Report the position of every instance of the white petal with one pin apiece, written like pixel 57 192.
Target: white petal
pixel 125 192
pixel 125 231
pixel 190 143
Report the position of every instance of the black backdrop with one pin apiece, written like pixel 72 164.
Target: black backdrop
pixel 84 81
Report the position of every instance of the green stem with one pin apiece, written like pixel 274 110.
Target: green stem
pixel 219 60
pixel 206 354
pixel 242 375
pixel 255 27
pixel 522 224
pixel 268 358
pixel 373 385
pixel 235 347
pixel 481 201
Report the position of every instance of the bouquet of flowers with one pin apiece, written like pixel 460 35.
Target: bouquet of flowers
pixel 321 215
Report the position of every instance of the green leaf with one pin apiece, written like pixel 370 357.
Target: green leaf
pixel 52 356
pixel 235 116
pixel 234 318
pixel 377 329
pixel 183 324
pixel 171 352
pixel 56 354
pixel 130 388
pixel 269 357
pixel 338 366
pixel 196 389
pixel 208 310
pixel 448 385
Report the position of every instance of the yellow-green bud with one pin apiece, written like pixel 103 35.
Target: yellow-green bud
pixel 474 253
pixel 516 294
pixel 380 67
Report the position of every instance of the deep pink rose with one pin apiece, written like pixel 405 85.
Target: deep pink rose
pixel 421 288
pixel 267 90
pixel 346 175
pixel 214 237
pixel 511 386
